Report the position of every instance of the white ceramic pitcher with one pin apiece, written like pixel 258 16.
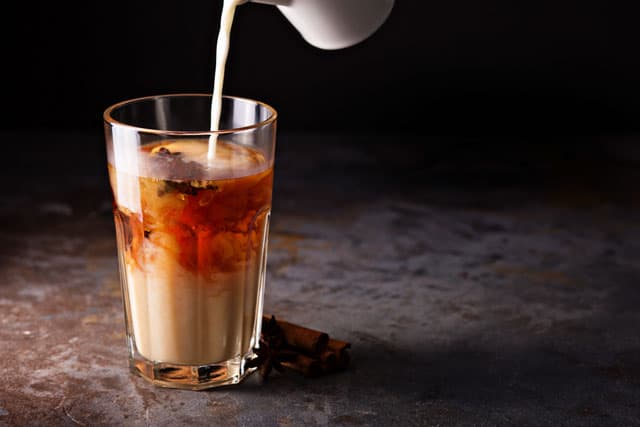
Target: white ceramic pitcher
pixel 334 24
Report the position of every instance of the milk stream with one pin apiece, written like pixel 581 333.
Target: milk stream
pixel 222 51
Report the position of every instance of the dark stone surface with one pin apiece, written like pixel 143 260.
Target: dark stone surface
pixel 490 283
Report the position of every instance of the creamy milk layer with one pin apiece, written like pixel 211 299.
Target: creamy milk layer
pixel 192 250
pixel 178 317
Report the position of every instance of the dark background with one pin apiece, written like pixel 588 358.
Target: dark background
pixel 458 67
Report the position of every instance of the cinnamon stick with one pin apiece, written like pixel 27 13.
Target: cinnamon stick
pixel 341 351
pixel 328 361
pixel 305 339
pixel 307 366
pixel 304 350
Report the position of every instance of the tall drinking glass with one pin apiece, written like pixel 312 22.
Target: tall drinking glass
pixel 192 212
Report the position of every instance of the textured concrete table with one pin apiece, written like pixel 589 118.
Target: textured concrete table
pixel 479 286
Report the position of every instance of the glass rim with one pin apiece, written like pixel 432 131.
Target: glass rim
pixel 108 118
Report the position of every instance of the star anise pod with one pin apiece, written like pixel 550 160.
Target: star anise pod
pixel 163 151
pixel 272 350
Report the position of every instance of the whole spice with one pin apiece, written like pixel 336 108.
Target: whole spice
pixel 303 338
pixel 341 350
pixel 300 349
pixel 271 352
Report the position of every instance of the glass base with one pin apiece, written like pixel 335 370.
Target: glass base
pixel 192 377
